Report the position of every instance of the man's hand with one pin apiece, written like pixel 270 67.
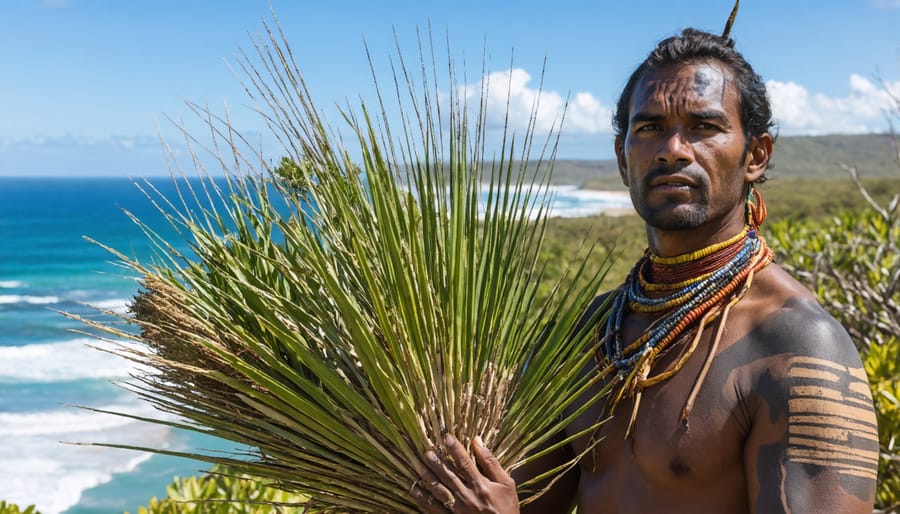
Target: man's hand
pixel 482 486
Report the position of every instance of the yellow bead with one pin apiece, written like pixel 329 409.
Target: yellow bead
pixel 698 254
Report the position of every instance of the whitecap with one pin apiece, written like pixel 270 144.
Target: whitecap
pixel 60 361
pixel 12 284
pixel 117 305
pixel 576 203
pixel 61 422
pixel 32 300
pixel 36 468
pixel 569 201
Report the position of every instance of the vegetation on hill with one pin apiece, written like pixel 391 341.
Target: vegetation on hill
pixel 823 156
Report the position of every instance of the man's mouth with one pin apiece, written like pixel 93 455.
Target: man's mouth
pixel 672 182
pixel 670 186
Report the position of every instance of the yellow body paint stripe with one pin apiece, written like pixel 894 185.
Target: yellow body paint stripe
pixel 856 425
pixel 830 418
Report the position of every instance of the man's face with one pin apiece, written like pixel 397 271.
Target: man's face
pixel 683 155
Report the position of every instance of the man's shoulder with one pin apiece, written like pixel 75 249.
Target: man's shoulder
pixel 801 328
pixel 787 318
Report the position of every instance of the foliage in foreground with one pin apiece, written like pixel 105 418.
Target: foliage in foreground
pixel 10 508
pixel 222 493
pixel 883 369
pixel 340 325
pixel 852 263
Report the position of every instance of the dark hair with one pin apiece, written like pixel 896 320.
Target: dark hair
pixel 697 46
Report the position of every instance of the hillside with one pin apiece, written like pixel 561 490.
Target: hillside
pixel 797 156
pixel 821 156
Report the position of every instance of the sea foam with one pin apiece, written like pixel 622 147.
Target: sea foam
pixel 117 305
pixel 61 422
pixel 568 201
pixel 52 475
pixel 8 299
pixel 60 362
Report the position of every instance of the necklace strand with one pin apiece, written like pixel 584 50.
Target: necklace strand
pixel 718 271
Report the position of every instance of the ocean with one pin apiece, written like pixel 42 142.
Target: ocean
pixel 48 368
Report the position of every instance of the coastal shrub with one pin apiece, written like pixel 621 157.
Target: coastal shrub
pixel 883 369
pixel 852 263
pixel 790 198
pixel 220 492
pixel 11 508
pixel 596 239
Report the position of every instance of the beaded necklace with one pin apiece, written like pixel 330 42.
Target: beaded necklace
pixel 701 286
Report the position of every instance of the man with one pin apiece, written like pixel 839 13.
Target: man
pixel 732 390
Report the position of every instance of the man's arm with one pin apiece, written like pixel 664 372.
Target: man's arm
pixel 813 445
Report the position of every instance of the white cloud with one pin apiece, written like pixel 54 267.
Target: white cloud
pixel 864 108
pixel 69 141
pixel 509 95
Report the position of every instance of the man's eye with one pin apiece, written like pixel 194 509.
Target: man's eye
pixel 647 128
pixel 706 126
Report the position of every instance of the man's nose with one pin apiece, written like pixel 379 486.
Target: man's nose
pixel 675 148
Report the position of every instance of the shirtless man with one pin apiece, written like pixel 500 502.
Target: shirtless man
pixel 783 421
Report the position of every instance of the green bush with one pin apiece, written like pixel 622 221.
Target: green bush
pixel 568 240
pixel 883 370
pixel 10 508
pixel 221 493
pixel 852 263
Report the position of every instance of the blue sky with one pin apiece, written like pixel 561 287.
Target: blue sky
pixel 86 86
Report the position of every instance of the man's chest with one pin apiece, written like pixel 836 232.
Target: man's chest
pixel 664 447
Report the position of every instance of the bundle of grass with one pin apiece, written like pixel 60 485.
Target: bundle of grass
pixel 339 317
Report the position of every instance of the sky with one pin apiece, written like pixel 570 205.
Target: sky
pixel 92 87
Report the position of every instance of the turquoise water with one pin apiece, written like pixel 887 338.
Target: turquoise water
pixel 47 266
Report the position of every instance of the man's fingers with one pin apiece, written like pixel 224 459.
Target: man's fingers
pixel 464 464
pixel 489 464
pixel 441 482
pixel 427 502
pixel 466 484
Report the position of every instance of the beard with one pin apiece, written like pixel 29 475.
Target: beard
pixel 682 217
pixel 675 212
